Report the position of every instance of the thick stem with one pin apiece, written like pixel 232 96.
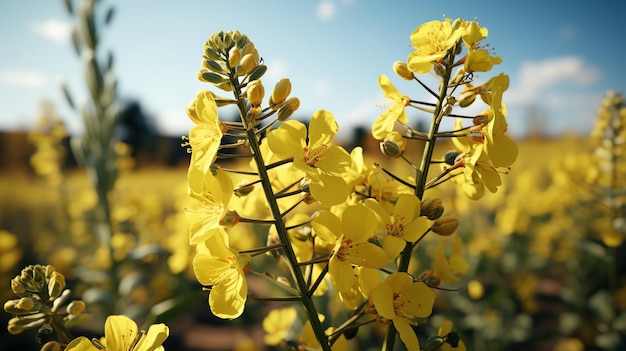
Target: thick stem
pixel 281 228
pixel 421 178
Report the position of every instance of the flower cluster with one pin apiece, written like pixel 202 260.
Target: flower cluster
pixel 42 304
pixel 338 225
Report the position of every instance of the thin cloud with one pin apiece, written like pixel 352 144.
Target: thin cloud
pixel 322 87
pixel 534 78
pixel 22 79
pixel 326 10
pixel 55 30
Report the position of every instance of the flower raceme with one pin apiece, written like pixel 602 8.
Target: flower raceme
pixel 121 334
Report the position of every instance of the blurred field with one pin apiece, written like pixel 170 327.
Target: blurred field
pixel 522 304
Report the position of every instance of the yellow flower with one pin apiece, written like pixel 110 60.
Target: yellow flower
pixel 277 325
pixel 401 225
pixel 431 42
pixel 350 235
pixel 205 137
pixel 450 269
pixel 501 149
pixel 221 268
pixel 384 124
pixel 120 334
pixel 213 192
pixel 478 59
pixel 403 301
pixel 323 163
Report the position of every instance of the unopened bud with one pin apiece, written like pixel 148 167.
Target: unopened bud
pixel 14 328
pixel 290 106
pixel 282 89
pixel 210 77
pixel 51 346
pixel 234 57
pixel 402 70
pixel 25 303
pixel 17 286
pixel 255 92
pixel 434 343
pixel 390 148
pixel 467 99
pixel 451 157
pixel 431 208
pixel 247 64
pixel 244 189
pixel 76 307
pixel 17 307
pixel 56 284
pixel 445 226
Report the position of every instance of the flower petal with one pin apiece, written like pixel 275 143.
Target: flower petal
pixel 120 332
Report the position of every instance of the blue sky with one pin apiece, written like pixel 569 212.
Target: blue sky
pixel 561 56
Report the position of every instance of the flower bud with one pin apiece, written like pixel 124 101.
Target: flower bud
pixel 282 89
pixel 445 226
pixel 234 57
pixel 290 106
pixel 210 77
pixel 56 284
pixel 467 99
pixel 255 92
pixel 451 156
pixel 76 307
pixel 431 208
pixel 390 149
pixel 13 327
pixel 17 286
pixel 51 346
pixel 25 303
pixel 247 64
pixel 244 189
pixel 402 70
pixel 434 342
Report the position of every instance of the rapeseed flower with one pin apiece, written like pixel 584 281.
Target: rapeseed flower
pixel 350 235
pixel 401 225
pixel 205 137
pixel 431 42
pixel 223 269
pixel 213 192
pixel 385 122
pixel 121 334
pixel 323 163
pixel 403 301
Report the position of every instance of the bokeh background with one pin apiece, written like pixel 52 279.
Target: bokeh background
pixel 547 260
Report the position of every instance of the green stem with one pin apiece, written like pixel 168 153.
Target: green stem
pixel 281 228
pixel 421 179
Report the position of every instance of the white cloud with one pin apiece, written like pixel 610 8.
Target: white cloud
pixel 53 29
pixel 277 70
pixel 23 79
pixel 326 9
pixel 534 78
